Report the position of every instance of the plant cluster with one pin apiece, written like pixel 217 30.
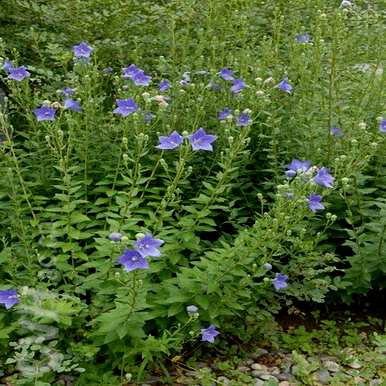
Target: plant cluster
pixel 154 205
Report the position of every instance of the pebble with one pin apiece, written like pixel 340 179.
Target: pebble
pixel 259 382
pixel 283 376
pixel 257 373
pixel 355 365
pixel 184 380
pixel 284 383
pixel 375 382
pixel 267 377
pixel 223 380
pixel 258 366
pixel 323 377
pixel 331 366
pixel 274 370
pixel 249 362
pixel 258 353
pixel 324 357
pixel 243 369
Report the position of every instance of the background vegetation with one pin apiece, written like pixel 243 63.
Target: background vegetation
pixel 224 215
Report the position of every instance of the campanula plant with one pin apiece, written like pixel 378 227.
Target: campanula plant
pixel 179 191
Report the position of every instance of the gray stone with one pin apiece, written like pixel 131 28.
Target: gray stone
pixel 257 373
pixel 248 362
pixel 259 382
pixel 243 369
pixel 355 364
pixel 325 357
pixel 331 366
pixel 223 380
pixel 375 382
pixel 284 383
pixel 258 353
pixel 267 377
pixel 323 377
pixel 259 367
pixel 283 376
pixel 274 370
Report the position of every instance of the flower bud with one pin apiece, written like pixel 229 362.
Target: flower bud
pixel 345 180
pixel 192 309
pixel 267 266
pixel 115 236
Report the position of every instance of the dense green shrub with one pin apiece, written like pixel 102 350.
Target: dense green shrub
pixel 232 220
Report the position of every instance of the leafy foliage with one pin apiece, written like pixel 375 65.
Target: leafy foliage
pixel 230 219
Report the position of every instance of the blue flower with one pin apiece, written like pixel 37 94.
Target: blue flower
pixel 164 85
pixel 243 120
pixel 336 132
pixel 141 79
pixel 148 246
pixel 148 117
pixel 222 115
pixel 170 142
pixel 314 202
pixel 382 126
pixel 82 50
pixel 297 166
pixel 9 298
pixel 125 107
pixel 226 74
pixel 18 73
pixel 45 113
pixel 7 65
pixel 324 178
pixel 303 38
pixel 128 72
pixel 132 260
pixel 201 141
pixel 280 281
pixel 67 91
pixel 185 79
pixel 238 85
pixel 285 86
pixel 73 105
pixel 214 86
pixel 208 334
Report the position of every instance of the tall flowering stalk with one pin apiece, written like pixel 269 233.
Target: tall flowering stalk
pixel 184 154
